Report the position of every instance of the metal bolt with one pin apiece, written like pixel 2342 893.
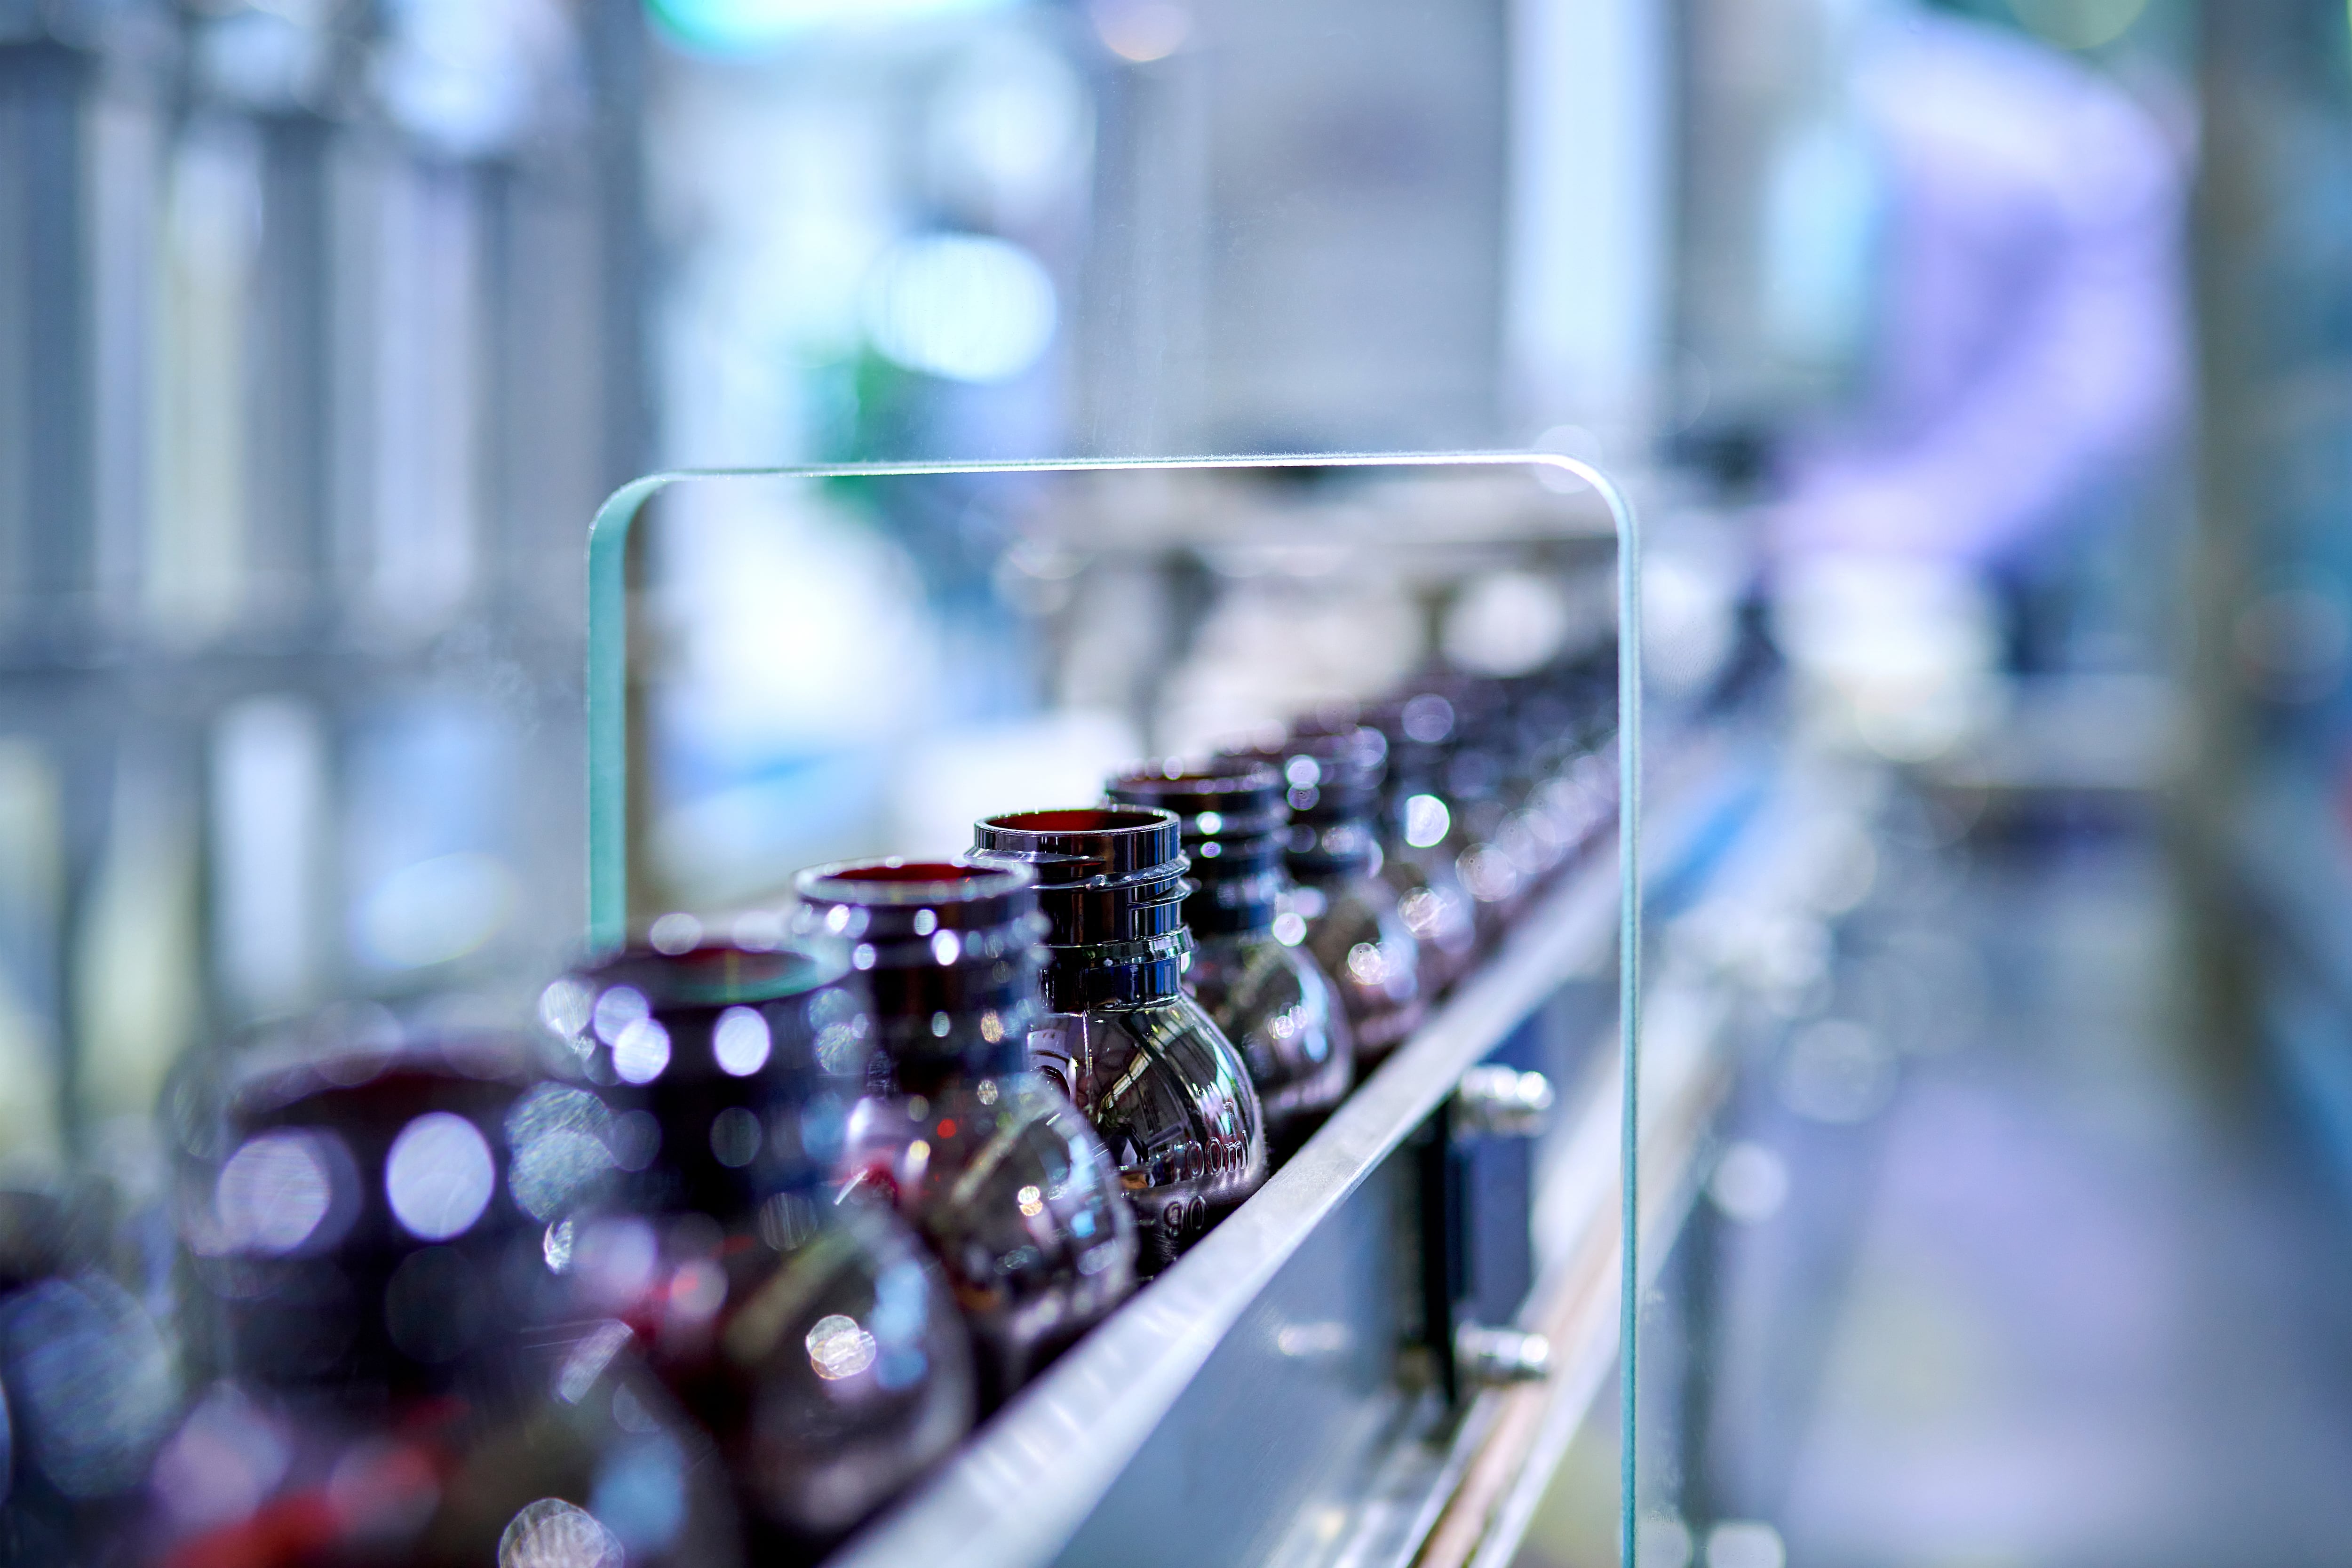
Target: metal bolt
pixel 1502 1102
pixel 1497 1358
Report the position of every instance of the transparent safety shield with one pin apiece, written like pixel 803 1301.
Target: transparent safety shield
pixel 1107 1402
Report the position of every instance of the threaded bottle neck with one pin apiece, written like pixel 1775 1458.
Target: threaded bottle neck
pixel 1333 789
pixel 1111 884
pixel 950 952
pixel 1233 819
pixel 689 1035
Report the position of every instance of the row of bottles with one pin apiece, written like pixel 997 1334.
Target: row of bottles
pixel 752 1232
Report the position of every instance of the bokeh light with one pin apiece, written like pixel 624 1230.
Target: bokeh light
pixel 439 1175
pixel 2079 24
pixel 740 26
pixel 553 1533
pixel 739 1041
pixel 964 307
pixel 274 1192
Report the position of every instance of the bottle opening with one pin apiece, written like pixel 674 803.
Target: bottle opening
pixel 1111 884
pixel 897 881
pixel 1087 819
pixel 886 905
pixel 911 871
pixel 717 974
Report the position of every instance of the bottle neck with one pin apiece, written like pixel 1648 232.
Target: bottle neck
pixel 1233 818
pixel 938 1023
pixel 1237 889
pixel 1324 849
pixel 720 1144
pixel 1111 885
pixel 1144 969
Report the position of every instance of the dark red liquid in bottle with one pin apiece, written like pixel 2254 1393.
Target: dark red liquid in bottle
pixel 988 1160
pixel 1144 1063
pixel 394 1385
pixel 1354 927
pixel 1267 993
pixel 816 1340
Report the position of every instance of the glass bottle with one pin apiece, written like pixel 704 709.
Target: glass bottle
pixel 1418 833
pixel 988 1160
pixel 1278 1008
pixel 1141 1060
pixel 816 1340
pixel 396 1384
pixel 1478 765
pixel 1354 928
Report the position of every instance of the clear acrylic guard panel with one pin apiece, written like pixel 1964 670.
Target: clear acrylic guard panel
pixel 796 665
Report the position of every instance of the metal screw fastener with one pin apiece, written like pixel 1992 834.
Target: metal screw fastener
pixel 1497 1358
pixel 1502 1102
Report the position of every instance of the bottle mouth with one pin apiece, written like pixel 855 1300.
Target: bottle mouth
pixel 902 914
pixel 1111 881
pixel 1102 845
pixel 717 974
pixel 1233 819
pixel 1226 801
pixel 1330 775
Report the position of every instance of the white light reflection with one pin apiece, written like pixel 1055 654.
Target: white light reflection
pixel 1427 821
pixel 1745 1543
pixel 642 1051
pixel 964 307
pixel 1750 1183
pixel 439 1175
pixel 588 1361
pixel 273 1193
pixel 553 1533
pixel 838 1348
pixel 740 1042
pixel 616 1009
pixel 561 1138
pixel 1141 31
pixel 564 1007
pixel 674 932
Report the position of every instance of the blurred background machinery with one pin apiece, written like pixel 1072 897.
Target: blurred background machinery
pixel 319 331
pixel 325 323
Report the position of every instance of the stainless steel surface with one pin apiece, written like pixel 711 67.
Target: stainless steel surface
pixel 1503 1102
pixel 1709 976
pixel 1302 1408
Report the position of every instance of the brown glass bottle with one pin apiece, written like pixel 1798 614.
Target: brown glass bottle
pixel 397 1382
pixel 817 1341
pixel 1420 835
pixel 1354 928
pixel 1278 1008
pixel 1142 1061
pixel 988 1160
